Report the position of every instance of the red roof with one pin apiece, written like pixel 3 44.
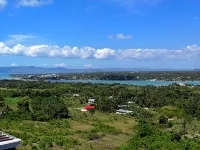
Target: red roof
pixel 89 107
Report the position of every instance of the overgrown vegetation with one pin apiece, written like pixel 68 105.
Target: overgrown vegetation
pixel 47 116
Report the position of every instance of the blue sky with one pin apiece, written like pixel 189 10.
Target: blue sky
pixel 100 33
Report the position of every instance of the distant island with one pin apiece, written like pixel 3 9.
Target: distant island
pixel 117 76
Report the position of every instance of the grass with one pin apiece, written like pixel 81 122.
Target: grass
pixel 72 133
pixel 12 102
pixel 83 131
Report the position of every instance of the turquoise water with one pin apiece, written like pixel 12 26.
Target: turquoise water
pixel 154 83
pixel 5 76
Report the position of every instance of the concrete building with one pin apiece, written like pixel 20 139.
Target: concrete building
pixel 91 101
pixel 122 111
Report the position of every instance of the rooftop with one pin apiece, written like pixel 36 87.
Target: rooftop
pixel 8 141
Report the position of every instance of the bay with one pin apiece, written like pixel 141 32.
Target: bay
pixel 130 82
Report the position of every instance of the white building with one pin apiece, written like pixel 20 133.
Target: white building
pixel 122 111
pixel 76 95
pixel 91 101
pixel 8 141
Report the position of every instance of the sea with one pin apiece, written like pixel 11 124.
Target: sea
pixel 4 76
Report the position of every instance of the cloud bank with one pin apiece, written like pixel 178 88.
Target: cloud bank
pixel 67 52
pixel 34 3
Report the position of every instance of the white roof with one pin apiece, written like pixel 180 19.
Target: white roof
pixel 123 111
pixel 8 141
pixel 91 99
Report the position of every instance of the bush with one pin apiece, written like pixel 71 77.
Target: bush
pixel 145 128
pixel 44 109
pixel 169 124
pixel 100 127
pixel 92 136
pixel 176 137
pixel 163 120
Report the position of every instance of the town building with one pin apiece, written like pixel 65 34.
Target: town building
pixel 76 95
pixel 91 101
pixel 123 111
pixel 89 107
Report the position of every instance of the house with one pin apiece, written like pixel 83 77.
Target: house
pixel 123 111
pixel 91 101
pixel 83 109
pixel 76 95
pixel 8 141
pixel 110 97
pixel 89 107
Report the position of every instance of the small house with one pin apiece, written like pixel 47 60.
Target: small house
pixel 110 97
pixel 76 95
pixel 123 111
pixel 89 107
pixel 8 141
pixel 91 101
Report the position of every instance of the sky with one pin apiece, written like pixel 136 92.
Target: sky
pixel 100 33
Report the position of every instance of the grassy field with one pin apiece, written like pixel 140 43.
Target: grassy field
pixel 81 131
pixel 85 131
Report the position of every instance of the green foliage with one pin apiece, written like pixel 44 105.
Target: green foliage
pixel 100 127
pixel 44 109
pixel 92 136
pixel 176 136
pixel 139 112
pixel 48 102
pixel 163 120
pixel 2 104
pixel 144 128
pixel 169 125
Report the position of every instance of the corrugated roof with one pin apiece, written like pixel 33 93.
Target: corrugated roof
pixel 7 141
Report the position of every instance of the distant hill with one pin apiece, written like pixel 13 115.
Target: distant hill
pixel 37 70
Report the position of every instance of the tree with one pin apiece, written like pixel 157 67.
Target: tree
pixel 145 128
pixel 44 109
pixel 2 104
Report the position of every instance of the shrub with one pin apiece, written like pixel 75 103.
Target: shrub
pixel 100 127
pixel 176 136
pixel 163 120
pixel 92 136
pixel 169 124
pixel 145 128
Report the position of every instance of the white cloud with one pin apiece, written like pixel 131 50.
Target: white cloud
pixel 18 38
pixel 3 3
pixel 54 51
pixel 122 36
pixel 60 65
pixel 34 3
pixel 13 65
pixel 104 53
pixel 88 66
